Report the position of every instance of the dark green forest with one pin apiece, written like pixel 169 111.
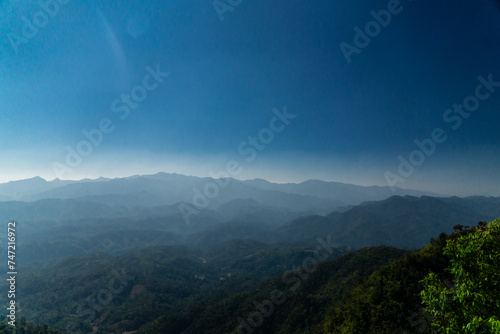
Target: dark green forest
pixel 243 286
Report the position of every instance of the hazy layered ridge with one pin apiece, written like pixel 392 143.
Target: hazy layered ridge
pixel 75 236
pixel 116 216
pixel 163 188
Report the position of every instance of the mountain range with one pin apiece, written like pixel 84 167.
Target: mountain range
pixel 72 237
pixel 164 189
pixel 115 216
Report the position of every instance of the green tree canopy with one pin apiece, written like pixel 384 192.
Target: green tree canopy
pixel 471 303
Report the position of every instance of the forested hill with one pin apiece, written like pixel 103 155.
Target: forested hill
pixel 300 297
pixel 449 286
pixel 374 290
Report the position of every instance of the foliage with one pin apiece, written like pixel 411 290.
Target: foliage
pixel 188 290
pixel 471 304
pixel 166 279
pixel 303 309
pixel 388 300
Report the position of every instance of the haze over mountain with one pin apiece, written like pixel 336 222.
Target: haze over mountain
pixel 221 288
pixel 249 167
pixel 59 218
pixel 165 189
pixel 404 222
pixel 83 232
pixel 221 75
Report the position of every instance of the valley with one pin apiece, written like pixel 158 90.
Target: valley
pixel 94 258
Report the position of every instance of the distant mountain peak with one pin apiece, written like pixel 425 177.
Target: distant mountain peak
pixel 33 179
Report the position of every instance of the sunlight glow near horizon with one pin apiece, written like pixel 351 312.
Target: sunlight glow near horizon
pixel 286 168
pixel 354 120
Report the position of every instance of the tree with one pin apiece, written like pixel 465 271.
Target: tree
pixel 472 303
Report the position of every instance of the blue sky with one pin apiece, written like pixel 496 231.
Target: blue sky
pixel 353 119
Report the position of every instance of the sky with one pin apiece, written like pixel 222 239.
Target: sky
pixel 288 90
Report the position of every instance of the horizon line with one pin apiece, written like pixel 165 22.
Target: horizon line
pixel 200 177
